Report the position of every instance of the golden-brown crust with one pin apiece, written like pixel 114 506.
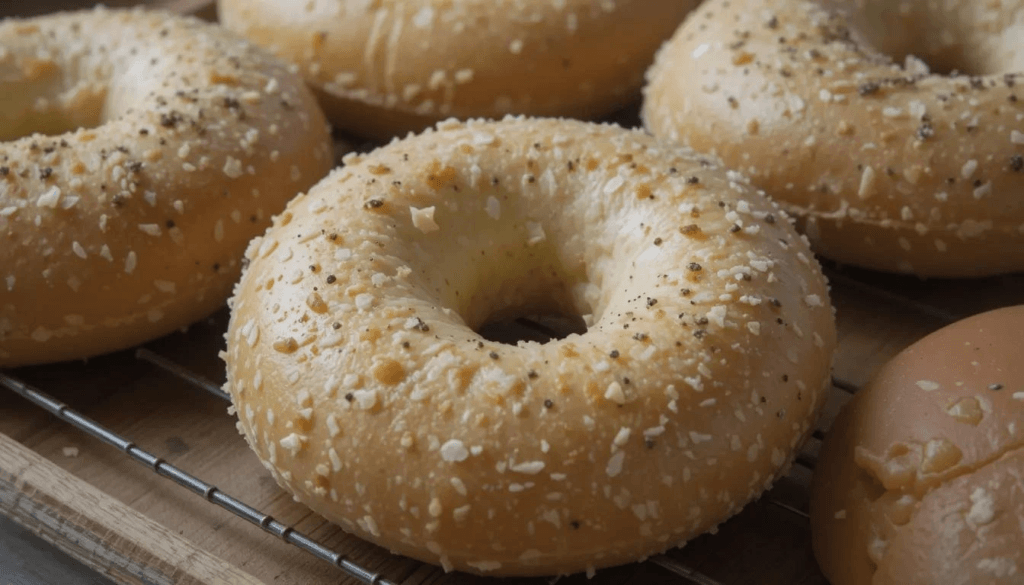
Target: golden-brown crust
pixel 888 166
pixel 361 383
pixel 965 532
pixel 385 68
pixel 115 234
pixel 919 480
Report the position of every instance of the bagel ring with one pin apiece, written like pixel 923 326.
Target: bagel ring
pixel 353 342
pixel 384 68
pixel 888 165
pixel 169 144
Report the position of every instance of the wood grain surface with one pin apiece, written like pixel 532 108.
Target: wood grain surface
pixel 120 542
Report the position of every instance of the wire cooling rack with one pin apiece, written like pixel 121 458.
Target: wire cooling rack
pixel 218 497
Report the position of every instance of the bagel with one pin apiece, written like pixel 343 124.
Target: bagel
pixel 919 480
pixel 887 164
pixel 361 382
pixel 384 68
pixel 165 144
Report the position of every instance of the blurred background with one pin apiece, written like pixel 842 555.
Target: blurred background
pixel 37 7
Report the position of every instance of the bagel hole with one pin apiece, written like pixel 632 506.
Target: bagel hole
pixel 540 328
pixel 54 115
pixel 952 61
pixel 921 46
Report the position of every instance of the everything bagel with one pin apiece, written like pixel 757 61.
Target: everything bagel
pixel 888 165
pixel 166 144
pixel 360 380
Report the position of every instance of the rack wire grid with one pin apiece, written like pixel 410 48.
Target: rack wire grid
pixel 217 497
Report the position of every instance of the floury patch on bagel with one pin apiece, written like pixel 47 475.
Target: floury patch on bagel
pixel 164 145
pixel 361 381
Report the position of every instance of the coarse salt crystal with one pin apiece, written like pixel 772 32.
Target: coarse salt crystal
pixel 967 171
pixel 454 451
pixel 622 437
pixel 50 198
pixel 615 393
pixel 534 233
pixel 151 229
pixel 699 438
pixel 365 399
pixel 364 301
pixel 293 443
pixel 423 219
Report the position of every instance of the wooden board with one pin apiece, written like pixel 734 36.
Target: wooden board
pixel 136 527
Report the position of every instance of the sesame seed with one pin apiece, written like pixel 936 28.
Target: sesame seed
pixel 528 468
pixel 867 183
pixel 615 464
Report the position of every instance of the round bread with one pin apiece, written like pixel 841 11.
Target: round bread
pixel 920 479
pixel 360 379
pixel 385 68
pixel 168 145
pixel 887 165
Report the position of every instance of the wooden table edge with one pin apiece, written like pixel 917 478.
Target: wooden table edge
pixel 99 531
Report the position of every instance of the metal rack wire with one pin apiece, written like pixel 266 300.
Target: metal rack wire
pixel 268 524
